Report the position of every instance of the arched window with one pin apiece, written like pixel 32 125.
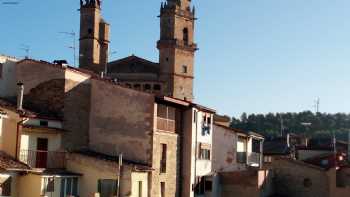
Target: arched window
pixel 185 36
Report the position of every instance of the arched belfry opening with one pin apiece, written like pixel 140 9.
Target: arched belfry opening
pixel 185 36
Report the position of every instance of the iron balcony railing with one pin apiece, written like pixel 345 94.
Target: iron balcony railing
pixel 43 159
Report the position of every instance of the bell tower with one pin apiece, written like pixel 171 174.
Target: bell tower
pixel 177 48
pixel 94 37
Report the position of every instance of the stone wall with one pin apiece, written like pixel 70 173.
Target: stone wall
pixel 121 121
pixel 171 177
pixel 297 179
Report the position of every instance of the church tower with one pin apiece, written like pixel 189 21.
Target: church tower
pixel 94 37
pixel 177 48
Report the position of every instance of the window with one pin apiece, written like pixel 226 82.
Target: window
pixel 184 69
pixel 162 189
pixel 107 187
pixel 48 185
pixel 267 159
pixel 90 31
pixel 44 123
pixel 147 87
pixel 140 188
pixel 204 154
pixel 185 36
pixel 163 156
pixel 256 146
pixel 69 187
pixel 5 186
pixel 137 86
pixel 1 67
pixel 156 87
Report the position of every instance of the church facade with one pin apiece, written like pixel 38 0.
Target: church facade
pixel 174 73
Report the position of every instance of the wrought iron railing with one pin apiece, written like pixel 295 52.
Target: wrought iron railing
pixel 43 159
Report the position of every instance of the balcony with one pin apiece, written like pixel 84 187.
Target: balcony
pixel 242 157
pixel 254 159
pixel 43 159
pixel 166 124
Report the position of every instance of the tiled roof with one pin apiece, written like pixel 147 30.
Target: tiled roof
pixel 133 64
pixel 10 164
pixel 11 105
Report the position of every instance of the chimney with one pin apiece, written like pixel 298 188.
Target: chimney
pixel 20 96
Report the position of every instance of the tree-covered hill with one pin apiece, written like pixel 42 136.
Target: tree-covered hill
pixel 308 123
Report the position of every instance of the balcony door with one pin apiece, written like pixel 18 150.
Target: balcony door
pixel 41 154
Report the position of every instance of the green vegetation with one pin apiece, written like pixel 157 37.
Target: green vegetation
pixel 308 123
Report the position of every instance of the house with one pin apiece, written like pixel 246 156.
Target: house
pixel 237 162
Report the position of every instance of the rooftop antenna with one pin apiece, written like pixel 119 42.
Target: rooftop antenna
pixel 26 49
pixel 317 105
pixel 73 46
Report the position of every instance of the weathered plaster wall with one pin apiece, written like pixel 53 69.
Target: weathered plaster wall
pixel 121 118
pixel 29 185
pixel 224 150
pixel 8 79
pixel 8 133
pixel 100 169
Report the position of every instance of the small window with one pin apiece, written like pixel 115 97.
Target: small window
pixel 44 123
pixel 167 59
pixel 107 187
pixel 204 154
pixel 6 187
pixel 48 185
pixel 184 69
pixel 137 86
pixel 194 116
pixel 147 87
pixel 163 158
pixel 1 68
pixel 185 36
pixel 157 87
pixel 90 31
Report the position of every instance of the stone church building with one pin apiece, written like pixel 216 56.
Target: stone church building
pixel 174 73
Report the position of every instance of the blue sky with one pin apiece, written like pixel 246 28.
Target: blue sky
pixel 256 56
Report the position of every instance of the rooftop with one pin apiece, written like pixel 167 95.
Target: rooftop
pixel 8 163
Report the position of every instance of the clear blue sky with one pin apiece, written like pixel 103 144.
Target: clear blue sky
pixel 255 56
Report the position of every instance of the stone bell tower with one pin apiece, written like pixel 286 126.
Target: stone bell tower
pixel 94 37
pixel 177 48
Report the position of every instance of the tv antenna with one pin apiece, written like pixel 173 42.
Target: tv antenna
pixel 72 34
pixel 317 105
pixel 26 49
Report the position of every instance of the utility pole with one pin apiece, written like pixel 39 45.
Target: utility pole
pixel 73 46
pixel 282 125
pixel 120 164
pixel 317 105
